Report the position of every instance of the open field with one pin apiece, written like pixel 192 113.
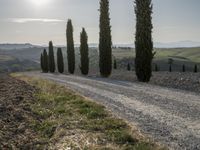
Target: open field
pixel 46 115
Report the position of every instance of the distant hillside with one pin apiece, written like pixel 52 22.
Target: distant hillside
pixel 16 46
pixel 29 58
pixel 180 44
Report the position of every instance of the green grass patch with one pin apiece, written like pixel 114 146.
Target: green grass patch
pixel 46 128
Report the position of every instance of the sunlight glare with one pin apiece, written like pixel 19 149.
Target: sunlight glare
pixel 40 2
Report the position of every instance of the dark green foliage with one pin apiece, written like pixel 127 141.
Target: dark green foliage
pixel 51 58
pixel 156 68
pixel 195 69
pixel 183 68
pixel 70 47
pixel 170 68
pixel 84 53
pixel 45 61
pixel 143 40
pixel 129 67
pixel 170 61
pixel 42 62
pixel 105 41
pixel 60 61
pixel 115 64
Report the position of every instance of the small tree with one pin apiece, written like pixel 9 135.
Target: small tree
pixel 183 68
pixel 84 51
pixel 51 58
pixel 129 67
pixel 105 41
pixel 45 61
pixel 195 69
pixel 170 68
pixel 60 61
pixel 156 68
pixel 70 47
pixel 42 62
pixel 115 64
pixel 170 61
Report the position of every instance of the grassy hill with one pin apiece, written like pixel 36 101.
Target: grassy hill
pixel 180 56
pixel 28 58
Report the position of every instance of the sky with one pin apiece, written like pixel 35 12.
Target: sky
pixel 39 21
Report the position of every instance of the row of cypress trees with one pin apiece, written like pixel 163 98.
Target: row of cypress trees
pixel 143 40
pixel 47 61
pixel 105 44
pixel 195 70
pixel 143 43
pixel 44 61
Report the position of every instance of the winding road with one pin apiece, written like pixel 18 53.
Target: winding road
pixel 170 116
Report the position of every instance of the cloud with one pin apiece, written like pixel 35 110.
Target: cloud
pixel 27 20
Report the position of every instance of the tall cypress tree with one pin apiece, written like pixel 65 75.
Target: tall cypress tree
pixel 143 40
pixel 60 61
pixel 105 41
pixel 84 53
pixel 42 62
pixel 45 61
pixel 70 47
pixel 51 58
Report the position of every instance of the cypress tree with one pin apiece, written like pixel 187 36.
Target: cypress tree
pixel 170 68
pixel 183 68
pixel 195 69
pixel 42 62
pixel 45 61
pixel 51 58
pixel 143 40
pixel 156 68
pixel 84 53
pixel 60 61
pixel 105 41
pixel 115 64
pixel 70 47
pixel 129 67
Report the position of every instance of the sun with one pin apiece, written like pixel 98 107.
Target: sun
pixel 40 2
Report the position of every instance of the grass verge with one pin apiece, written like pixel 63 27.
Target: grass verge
pixel 70 121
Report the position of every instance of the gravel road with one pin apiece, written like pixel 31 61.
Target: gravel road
pixel 170 116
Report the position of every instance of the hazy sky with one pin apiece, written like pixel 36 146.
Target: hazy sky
pixel 38 21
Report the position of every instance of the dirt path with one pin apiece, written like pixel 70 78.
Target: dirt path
pixel 168 115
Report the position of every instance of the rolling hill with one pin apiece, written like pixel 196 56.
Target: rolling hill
pixel 29 58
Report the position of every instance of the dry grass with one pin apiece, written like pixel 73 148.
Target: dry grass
pixel 70 121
